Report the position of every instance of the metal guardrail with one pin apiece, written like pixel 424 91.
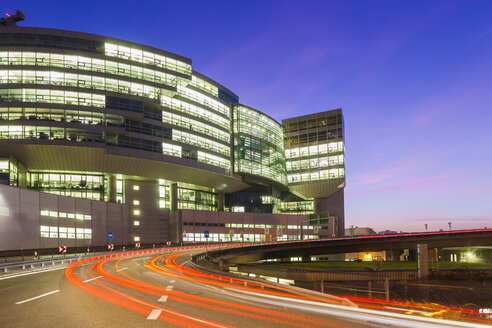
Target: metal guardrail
pixel 43 263
pixel 38 263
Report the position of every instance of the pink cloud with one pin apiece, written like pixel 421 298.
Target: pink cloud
pixel 405 185
pixel 483 34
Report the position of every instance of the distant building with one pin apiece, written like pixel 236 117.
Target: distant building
pixel 359 231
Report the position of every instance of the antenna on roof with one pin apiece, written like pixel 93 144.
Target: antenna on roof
pixel 11 20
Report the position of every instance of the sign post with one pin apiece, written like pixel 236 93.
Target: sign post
pixel 206 233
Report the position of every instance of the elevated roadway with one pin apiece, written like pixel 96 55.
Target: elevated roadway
pixel 393 242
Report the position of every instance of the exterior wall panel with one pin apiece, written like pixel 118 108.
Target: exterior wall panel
pixel 29 219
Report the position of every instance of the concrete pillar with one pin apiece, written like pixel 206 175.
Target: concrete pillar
pixel 386 289
pixel 422 261
pixel 223 265
pixel 174 197
pixel 112 189
pixel 316 205
pixel 220 201
pixel 175 232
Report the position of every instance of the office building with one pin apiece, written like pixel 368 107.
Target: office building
pixel 102 135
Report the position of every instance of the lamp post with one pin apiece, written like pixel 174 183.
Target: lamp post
pixel 449 224
pixel 426 227
pixel 301 222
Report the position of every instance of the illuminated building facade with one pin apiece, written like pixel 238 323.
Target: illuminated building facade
pixel 104 134
pixel 315 163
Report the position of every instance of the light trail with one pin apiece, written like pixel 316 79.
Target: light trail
pixel 134 304
pixel 222 306
pixel 443 311
pixel 258 292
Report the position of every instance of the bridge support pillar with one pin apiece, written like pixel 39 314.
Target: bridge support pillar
pixel 223 265
pixel 422 261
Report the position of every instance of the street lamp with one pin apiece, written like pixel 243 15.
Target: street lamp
pixel 301 222
pixel 449 224
pixel 426 227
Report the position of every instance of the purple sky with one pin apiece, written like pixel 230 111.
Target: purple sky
pixel 414 80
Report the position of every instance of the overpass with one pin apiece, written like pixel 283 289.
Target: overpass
pixel 393 242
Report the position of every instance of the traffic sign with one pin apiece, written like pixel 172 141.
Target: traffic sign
pixel 62 249
pixel 206 233
pixel 110 247
pixel 137 245
pixel 110 235
pixel 168 243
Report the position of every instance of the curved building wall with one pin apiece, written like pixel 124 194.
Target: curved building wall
pixel 75 89
pixel 258 145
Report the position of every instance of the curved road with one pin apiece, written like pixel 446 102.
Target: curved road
pixel 160 288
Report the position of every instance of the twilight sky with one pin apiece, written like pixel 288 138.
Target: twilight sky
pixel 414 80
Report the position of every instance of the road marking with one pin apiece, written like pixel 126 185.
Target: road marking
pixel 154 314
pixel 29 273
pixel 169 288
pixel 31 299
pixel 163 299
pixel 92 279
pixel 122 269
pixel 172 281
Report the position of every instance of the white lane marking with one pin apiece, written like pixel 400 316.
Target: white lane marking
pixel 92 279
pixel 163 299
pixel 33 298
pixel 387 318
pixel 172 281
pixel 154 314
pixel 29 273
pixel 169 288
pixel 121 269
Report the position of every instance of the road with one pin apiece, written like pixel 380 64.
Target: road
pixel 163 289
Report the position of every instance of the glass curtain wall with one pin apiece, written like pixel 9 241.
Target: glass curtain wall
pixel 258 145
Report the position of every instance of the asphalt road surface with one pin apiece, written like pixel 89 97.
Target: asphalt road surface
pixel 161 288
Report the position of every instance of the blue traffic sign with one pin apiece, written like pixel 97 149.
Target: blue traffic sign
pixel 206 233
pixel 110 235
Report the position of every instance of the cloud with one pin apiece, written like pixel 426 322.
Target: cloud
pixel 482 35
pixel 405 185
pixel 309 56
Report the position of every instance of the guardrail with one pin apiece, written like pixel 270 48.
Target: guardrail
pixel 33 264
pixel 331 275
pixel 42 263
